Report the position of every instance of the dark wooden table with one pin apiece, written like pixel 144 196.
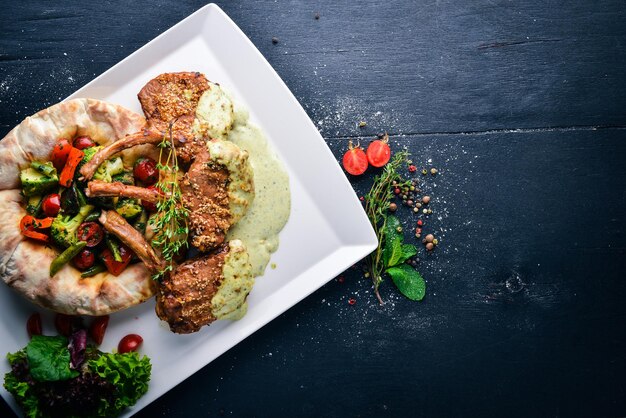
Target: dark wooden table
pixel 520 105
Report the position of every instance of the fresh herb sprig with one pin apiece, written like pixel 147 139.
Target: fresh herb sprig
pixel 170 222
pixel 391 253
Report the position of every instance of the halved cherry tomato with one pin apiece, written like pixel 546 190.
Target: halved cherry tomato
pixel 145 171
pixel 150 206
pixel 51 205
pixel 60 152
pixel 83 142
pixel 378 152
pixel 64 324
pixel 129 343
pixel 29 227
pixel 91 233
pixel 116 267
pixel 84 259
pixel 355 160
pixel 33 325
pixel 98 328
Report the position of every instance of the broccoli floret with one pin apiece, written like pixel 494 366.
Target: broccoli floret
pixel 128 208
pixel 63 229
pixel 35 180
pixel 108 169
pixel 125 177
pixel 88 154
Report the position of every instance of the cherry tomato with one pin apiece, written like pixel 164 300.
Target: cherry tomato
pixel 98 328
pixel 378 153
pixel 33 325
pixel 60 152
pixel 117 267
pixel 150 206
pixel 84 259
pixel 91 233
pixel 64 324
pixel 83 142
pixel 129 343
pixel 51 205
pixel 355 160
pixel 145 171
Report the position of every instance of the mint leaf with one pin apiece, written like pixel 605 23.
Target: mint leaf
pixel 392 241
pixel 394 251
pixel 49 358
pixel 407 251
pixel 408 281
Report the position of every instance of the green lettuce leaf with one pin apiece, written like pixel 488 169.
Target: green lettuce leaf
pixel 49 358
pixel 128 372
pixel 22 392
pixel 408 281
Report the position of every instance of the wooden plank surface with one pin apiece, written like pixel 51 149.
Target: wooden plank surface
pixel 520 105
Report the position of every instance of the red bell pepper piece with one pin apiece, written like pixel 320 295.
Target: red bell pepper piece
pixel 73 159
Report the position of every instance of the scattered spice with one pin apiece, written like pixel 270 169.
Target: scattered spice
pixel 412 168
pixel 425 200
pixel 420 222
pixel 362 124
pixel 340 279
pixel 351 301
pixel 317 16
pixel 430 246
pixel 274 40
pixel 393 207
pixel 424 172
pixel 433 171
pixel 429 238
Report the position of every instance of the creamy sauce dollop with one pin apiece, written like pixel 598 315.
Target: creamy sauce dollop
pixel 270 209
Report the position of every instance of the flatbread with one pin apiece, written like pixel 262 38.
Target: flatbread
pixel 24 264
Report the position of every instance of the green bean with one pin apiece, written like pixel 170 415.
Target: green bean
pixel 93 216
pixel 113 245
pixel 92 271
pixel 46 169
pixel 65 257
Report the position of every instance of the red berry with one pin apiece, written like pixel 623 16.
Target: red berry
pixel 145 171
pixel 98 328
pixel 129 343
pixel 352 301
pixel 51 205
pixel 60 152
pixel 412 168
pixel 420 222
pixel 378 152
pixel 84 259
pixel 151 206
pixel 355 160
pixel 33 325
pixel 83 142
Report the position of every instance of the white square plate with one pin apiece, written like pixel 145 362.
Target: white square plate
pixel 326 233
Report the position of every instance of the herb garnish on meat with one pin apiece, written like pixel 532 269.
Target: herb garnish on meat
pixel 171 219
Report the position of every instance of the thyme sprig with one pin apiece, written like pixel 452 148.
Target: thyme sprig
pixel 376 204
pixel 170 222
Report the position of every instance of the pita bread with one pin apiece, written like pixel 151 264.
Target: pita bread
pixel 24 264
